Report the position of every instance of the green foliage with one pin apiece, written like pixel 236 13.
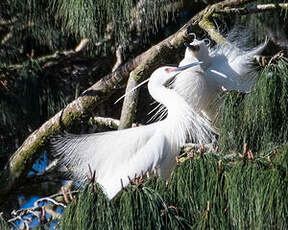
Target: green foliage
pixel 207 191
pixel 31 26
pixel 92 211
pixel 33 96
pixel 270 23
pixel 196 186
pixel 258 194
pixel 259 118
pixel 137 205
pixel 96 19
pixel 63 23
pixel 129 210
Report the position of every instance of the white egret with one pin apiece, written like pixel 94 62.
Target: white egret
pixel 117 155
pixel 224 67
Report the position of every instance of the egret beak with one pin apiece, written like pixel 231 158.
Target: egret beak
pixel 181 68
pixel 177 70
pixel 192 47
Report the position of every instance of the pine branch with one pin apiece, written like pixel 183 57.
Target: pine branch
pixel 40 207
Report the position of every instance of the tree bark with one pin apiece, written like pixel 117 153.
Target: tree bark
pixel 130 102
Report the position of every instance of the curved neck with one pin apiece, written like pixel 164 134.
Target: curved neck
pixel 178 122
pixel 182 120
pixel 169 98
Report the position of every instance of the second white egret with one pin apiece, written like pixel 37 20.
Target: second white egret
pixel 224 67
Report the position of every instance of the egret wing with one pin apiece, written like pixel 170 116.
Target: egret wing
pixel 232 67
pixel 108 153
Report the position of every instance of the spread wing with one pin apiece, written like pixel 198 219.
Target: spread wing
pixel 232 67
pixel 112 155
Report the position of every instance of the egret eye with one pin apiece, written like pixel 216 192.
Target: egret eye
pixel 169 70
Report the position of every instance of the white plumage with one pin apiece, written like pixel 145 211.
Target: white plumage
pixel 224 67
pixel 190 103
pixel 117 155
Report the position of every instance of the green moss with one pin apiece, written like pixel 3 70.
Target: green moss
pixel 207 24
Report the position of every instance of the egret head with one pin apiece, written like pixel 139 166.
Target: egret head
pixel 161 77
pixel 198 49
pixel 158 85
pixel 165 74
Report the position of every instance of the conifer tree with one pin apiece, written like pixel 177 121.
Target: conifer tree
pixel 52 51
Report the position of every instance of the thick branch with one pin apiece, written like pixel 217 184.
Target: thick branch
pixel 130 102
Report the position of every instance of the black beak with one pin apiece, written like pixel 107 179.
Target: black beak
pixel 193 48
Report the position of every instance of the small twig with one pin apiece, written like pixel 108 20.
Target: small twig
pixel 202 148
pixel 83 43
pixel 276 56
pixel 64 195
pixel 141 177
pixel 43 218
pixel 71 196
pixel 175 208
pixel 155 172
pixel 122 185
pixel 148 174
pixel 207 208
pixel 47 199
pixel 270 161
pixel 220 166
pixel 119 58
pixel 91 175
pixel 177 160
pixel 250 155
pixel 252 9
pixel 244 153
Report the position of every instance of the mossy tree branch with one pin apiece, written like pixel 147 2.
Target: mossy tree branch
pixel 130 102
